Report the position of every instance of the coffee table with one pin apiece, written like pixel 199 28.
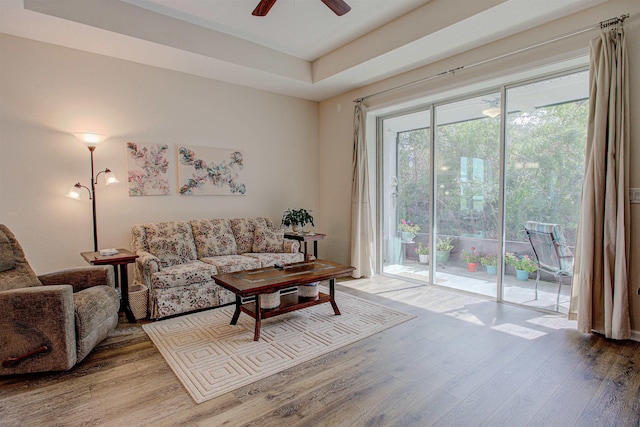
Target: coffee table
pixel 248 283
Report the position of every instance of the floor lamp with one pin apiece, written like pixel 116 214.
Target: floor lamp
pixel 91 140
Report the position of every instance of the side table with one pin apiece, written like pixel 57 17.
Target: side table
pixel 313 237
pixel 122 259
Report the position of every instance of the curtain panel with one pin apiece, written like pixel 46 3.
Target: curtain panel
pixel 600 293
pixel 362 246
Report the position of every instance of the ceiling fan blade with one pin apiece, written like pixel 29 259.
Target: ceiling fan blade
pixel 263 7
pixel 339 7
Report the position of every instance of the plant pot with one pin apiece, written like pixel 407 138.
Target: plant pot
pixel 522 275
pixel 296 228
pixel 472 266
pixel 442 256
pixel 492 270
pixel 424 259
pixel 406 236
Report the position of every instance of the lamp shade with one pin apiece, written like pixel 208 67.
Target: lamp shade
pixel 75 192
pixel 90 139
pixel 110 177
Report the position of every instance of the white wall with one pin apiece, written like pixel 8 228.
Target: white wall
pixel 47 92
pixel 336 128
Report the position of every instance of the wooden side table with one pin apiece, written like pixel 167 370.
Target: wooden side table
pixel 313 237
pixel 122 259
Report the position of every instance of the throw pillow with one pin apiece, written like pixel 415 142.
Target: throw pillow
pixel 170 251
pixel 268 240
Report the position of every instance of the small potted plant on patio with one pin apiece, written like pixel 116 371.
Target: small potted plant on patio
pixel 524 264
pixel 408 230
pixel 471 258
pixel 423 253
pixel 297 219
pixel 443 250
pixel 490 261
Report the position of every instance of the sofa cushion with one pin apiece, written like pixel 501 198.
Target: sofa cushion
pixel 171 242
pixel 213 237
pixel 190 273
pixel 244 230
pixel 268 240
pixel 232 263
pixel 270 259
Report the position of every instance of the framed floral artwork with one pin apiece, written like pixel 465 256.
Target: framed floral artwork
pixel 210 171
pixel 147 166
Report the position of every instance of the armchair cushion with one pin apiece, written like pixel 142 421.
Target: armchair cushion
pixel 96 313
pixel 20 275
pixel 268 240
pixel 6 253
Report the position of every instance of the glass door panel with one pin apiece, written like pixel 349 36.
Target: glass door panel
pixel 467 171
pixel 545 152
pixel 406 190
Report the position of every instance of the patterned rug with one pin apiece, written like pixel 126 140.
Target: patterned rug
pixel 212 357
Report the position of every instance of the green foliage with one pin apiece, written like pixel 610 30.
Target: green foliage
pixel 545 155
pixel 422 250
pixel 299 217
pixel 472 256
pixel 489 259
pixel 523 262
pixel 444 244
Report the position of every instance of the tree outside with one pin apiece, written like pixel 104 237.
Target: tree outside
pixel 545 157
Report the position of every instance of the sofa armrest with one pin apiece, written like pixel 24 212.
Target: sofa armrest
pixel 81 277
pixel 291 246
pixel 146 264
pixel 35 317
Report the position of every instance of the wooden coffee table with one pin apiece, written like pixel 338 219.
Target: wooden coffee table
pixel 266 280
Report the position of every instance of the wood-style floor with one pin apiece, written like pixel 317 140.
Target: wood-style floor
pixel 463 361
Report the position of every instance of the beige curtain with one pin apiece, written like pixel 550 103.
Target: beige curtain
pixel 600 290
pixel 361 214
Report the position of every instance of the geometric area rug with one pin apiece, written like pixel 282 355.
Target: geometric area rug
pixel 211 357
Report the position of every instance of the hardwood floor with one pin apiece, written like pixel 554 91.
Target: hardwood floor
pixel 463 361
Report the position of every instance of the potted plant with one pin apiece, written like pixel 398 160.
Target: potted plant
pixel 443 250
pixel 297 219
pixel 408 230
pixel 471 258
pixel 423 253
pixel 524 264
pixel 490 261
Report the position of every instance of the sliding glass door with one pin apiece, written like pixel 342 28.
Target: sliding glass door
pixel 456 195
pixel 467 173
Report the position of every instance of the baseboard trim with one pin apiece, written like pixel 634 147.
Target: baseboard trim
pixel 635 336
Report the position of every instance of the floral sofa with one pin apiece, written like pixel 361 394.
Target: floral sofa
pixel 177 259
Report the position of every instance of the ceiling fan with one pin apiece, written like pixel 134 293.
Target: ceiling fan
pixel 339 7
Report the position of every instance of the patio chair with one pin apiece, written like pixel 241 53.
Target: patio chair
pixel 551 252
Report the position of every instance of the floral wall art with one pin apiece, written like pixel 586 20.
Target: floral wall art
pixel 147 169
pixel 210 171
